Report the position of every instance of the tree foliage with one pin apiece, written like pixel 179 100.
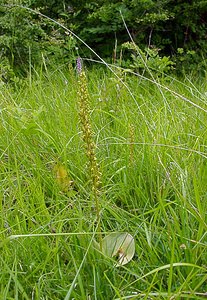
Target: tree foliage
pixel 176 28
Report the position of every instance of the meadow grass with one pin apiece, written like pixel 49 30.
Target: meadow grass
pixel 151 148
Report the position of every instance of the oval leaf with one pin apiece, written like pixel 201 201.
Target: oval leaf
pixel 120 246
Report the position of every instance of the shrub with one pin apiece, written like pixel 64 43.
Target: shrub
pixel 166 25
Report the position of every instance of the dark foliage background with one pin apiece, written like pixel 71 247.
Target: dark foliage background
pixel 175 28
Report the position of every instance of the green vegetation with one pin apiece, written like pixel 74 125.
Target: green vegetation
pixel 103 171
pixel 150 145
pixel 33 29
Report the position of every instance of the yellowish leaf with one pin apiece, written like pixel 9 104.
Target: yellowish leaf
pixel 62 178
pixel 120 246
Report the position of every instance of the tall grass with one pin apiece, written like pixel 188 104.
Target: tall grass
pixel 151 145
